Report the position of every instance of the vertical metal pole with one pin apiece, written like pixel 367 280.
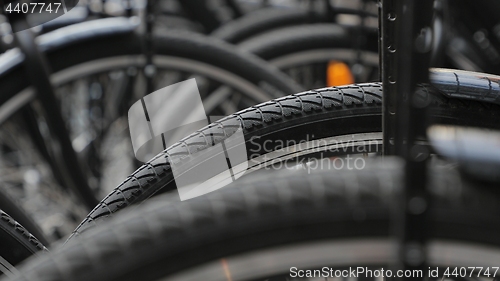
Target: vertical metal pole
pixel 406 43
pixel 388 23
pixel 149 68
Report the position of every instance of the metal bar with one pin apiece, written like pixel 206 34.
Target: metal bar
pixel 149 68
pixel 388 24
pixel 406 45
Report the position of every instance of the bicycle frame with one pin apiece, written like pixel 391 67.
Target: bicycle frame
pixel 405 53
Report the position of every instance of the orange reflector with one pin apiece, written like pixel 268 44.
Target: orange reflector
pixel 225 267
pixel 338 73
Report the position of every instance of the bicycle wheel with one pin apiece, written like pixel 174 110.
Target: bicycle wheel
pixel 263 20
pixel 307 52
pixel 331 121
pixel 16 244
pixel 270 229
pixel 96 68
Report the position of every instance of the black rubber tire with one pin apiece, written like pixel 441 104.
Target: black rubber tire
pixel 16 243
pixel 8 205
pixel 160 238
pixel 322 113
pixel 284 41
pixel 263 20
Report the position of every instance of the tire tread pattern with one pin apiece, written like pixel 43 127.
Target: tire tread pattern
pixel 29 241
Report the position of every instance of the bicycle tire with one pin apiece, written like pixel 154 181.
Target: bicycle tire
pixel 258 225
pixel 8 205
pixel 73 45
pixel 335 111
pixel 16 244
pixel 263 20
